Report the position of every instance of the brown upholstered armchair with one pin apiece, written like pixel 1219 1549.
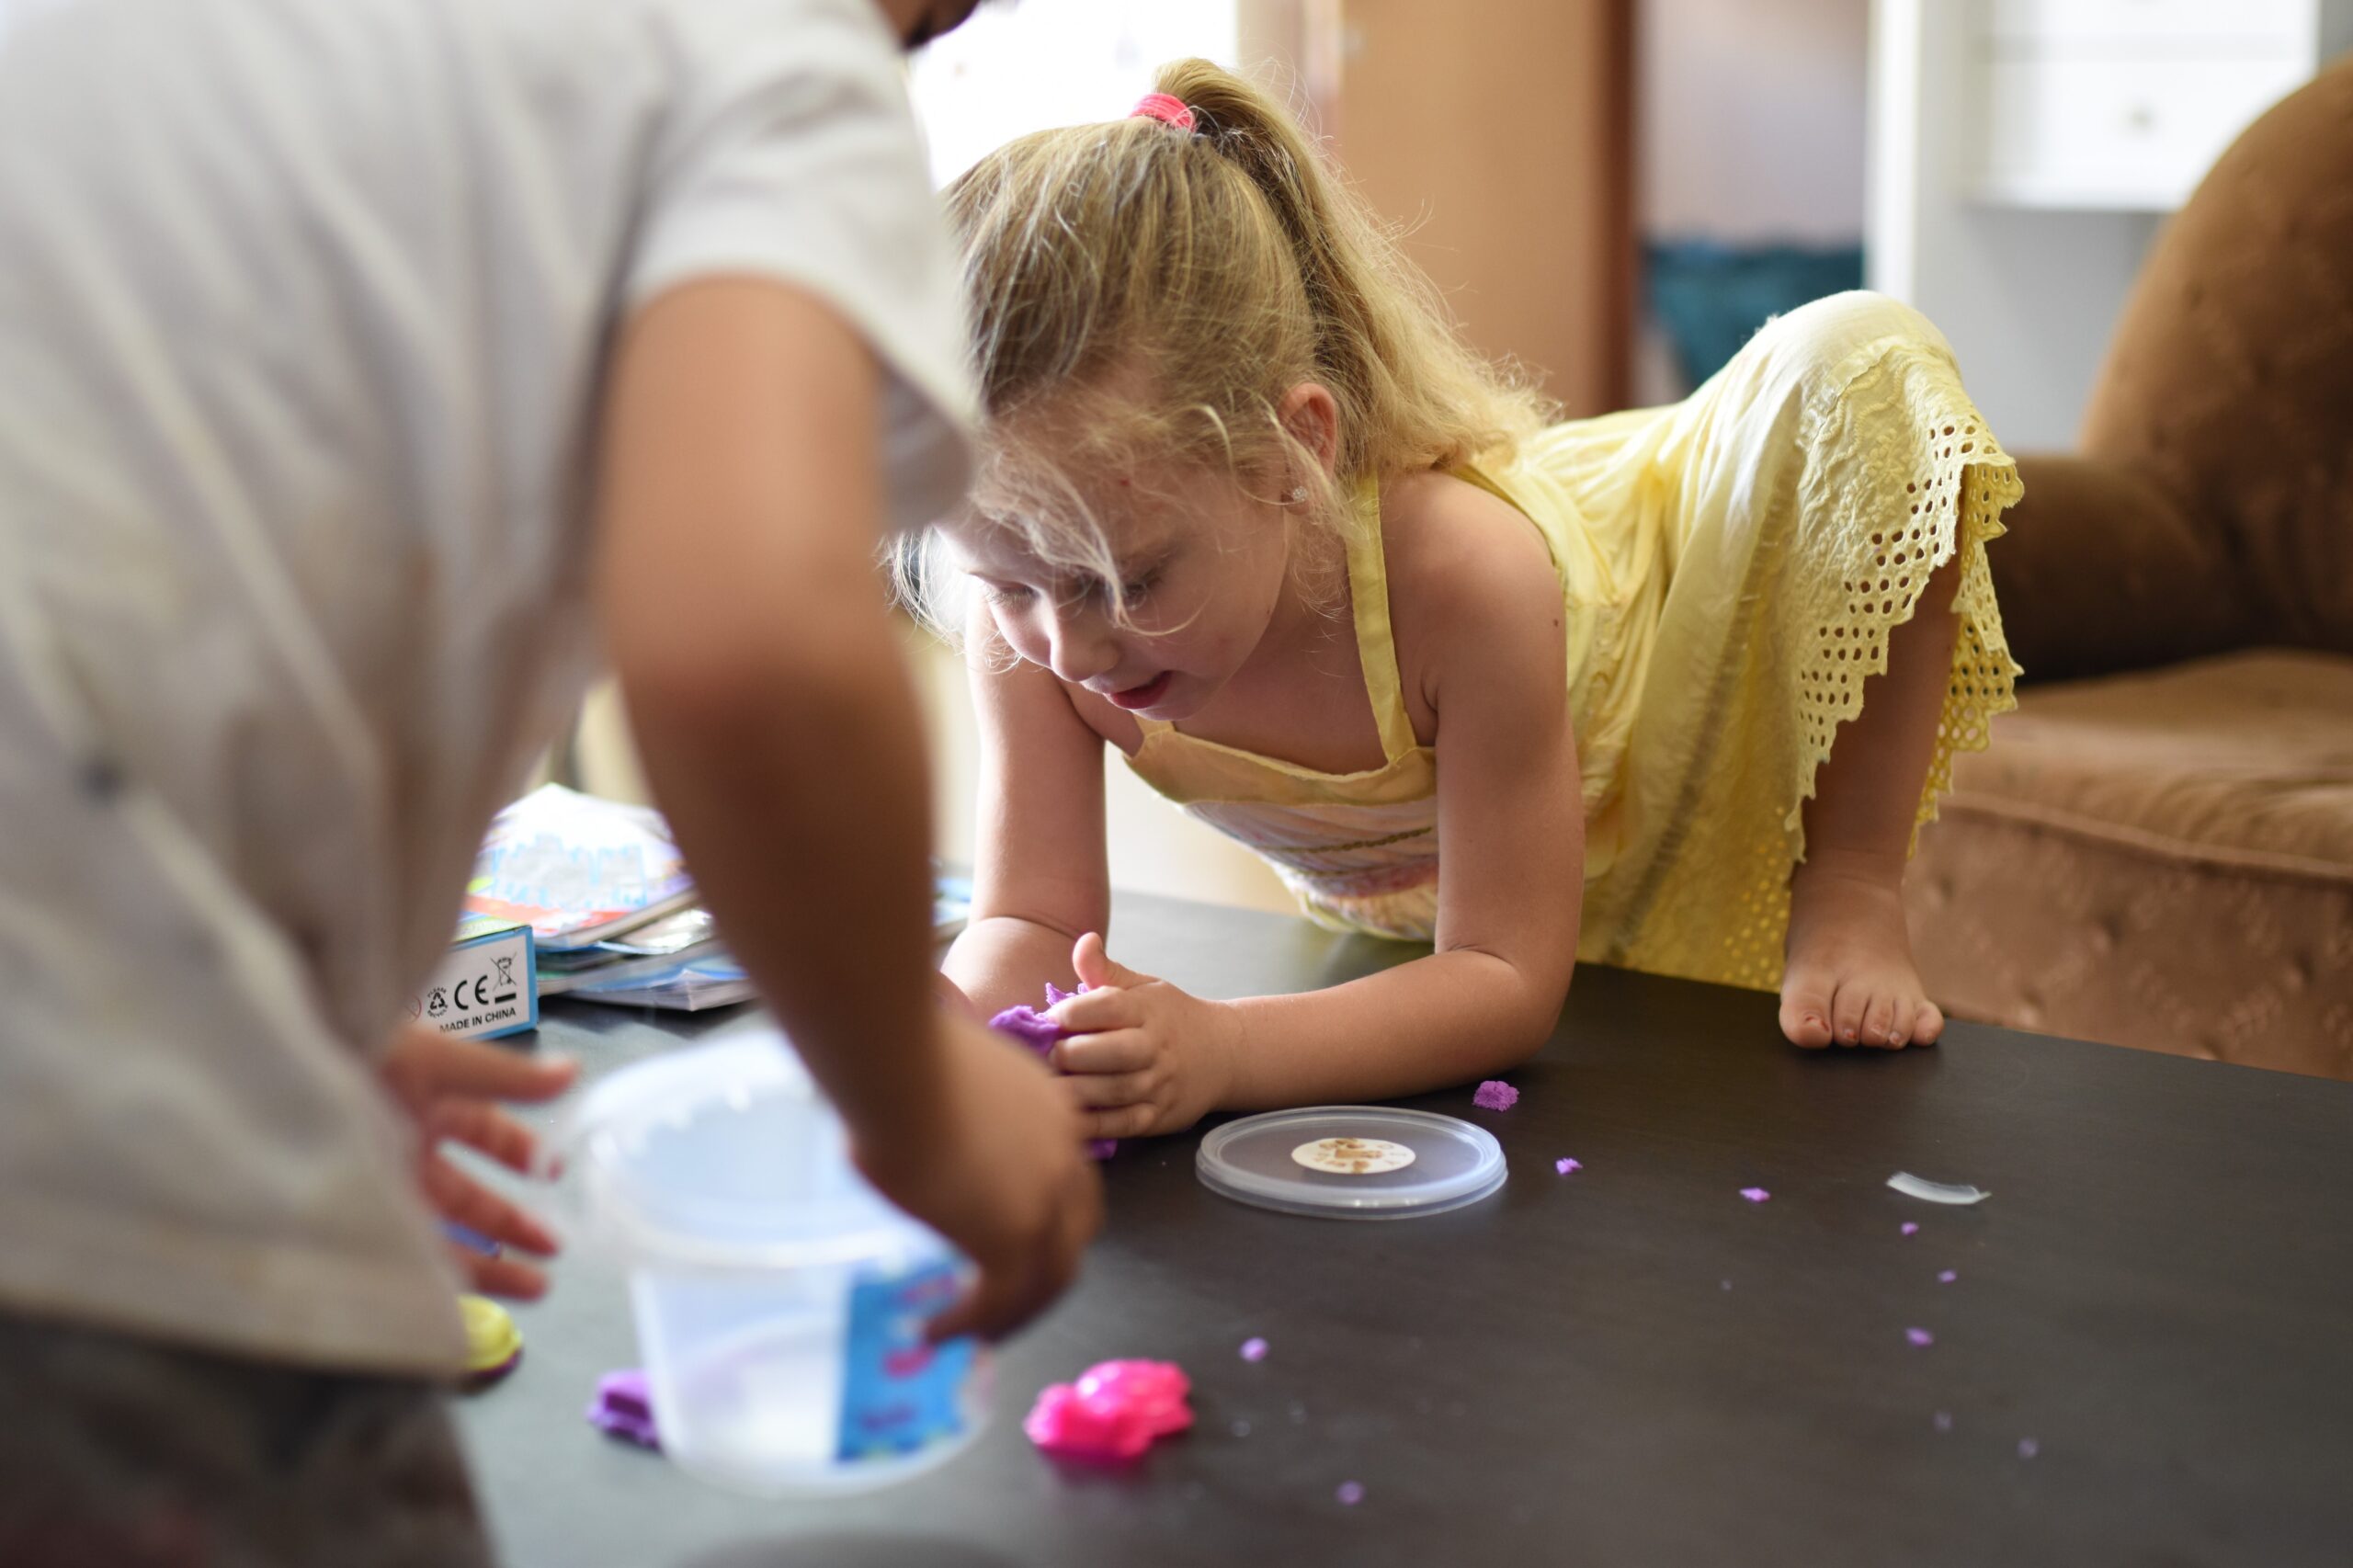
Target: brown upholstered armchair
pixel 2157 850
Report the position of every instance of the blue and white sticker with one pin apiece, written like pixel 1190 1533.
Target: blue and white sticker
pixel 900 1395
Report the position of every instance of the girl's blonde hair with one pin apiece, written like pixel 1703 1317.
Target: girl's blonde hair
pixel 1142 295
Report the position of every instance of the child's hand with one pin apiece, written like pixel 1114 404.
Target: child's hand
pixel 997 1168
pixel 449 1089
pixel 1144 1057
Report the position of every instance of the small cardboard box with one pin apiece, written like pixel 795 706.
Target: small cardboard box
pixel 486 985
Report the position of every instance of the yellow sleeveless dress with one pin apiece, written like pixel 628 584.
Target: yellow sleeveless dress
pixel 1731 566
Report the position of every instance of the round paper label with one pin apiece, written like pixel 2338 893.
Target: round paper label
pixel 1353 1156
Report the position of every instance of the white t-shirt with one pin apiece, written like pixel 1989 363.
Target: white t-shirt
pixel 303 310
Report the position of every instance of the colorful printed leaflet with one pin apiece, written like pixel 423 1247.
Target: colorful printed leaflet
pixel 714 981
pixel 578 870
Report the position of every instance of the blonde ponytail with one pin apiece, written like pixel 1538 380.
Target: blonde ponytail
pixel 1413 395
pixel 1145 293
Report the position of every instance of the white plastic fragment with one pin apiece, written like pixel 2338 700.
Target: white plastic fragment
pixel 1911 1186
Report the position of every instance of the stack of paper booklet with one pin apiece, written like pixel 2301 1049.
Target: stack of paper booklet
pixel 611 908
pixel 610 905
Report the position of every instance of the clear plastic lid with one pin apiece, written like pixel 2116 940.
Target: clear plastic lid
pixel 1351 1162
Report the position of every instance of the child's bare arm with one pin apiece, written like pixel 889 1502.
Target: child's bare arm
pixel 740 505
pixel 1511 827
pixel 1486 612
pixel 1041 879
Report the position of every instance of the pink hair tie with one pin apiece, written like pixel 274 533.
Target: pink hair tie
pixel 1166 108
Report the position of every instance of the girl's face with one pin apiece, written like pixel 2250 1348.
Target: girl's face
pixel 1203 567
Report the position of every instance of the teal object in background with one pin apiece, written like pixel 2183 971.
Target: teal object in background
pixel 1709 298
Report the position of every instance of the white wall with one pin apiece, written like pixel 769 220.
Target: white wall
pixel 2027 299
pixel 1018 68
pixel 15 11
pixel 1749 118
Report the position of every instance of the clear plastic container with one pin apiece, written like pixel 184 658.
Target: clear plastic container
pixel 780 1298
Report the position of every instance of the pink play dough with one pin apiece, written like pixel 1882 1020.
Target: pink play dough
pixel 1113 1412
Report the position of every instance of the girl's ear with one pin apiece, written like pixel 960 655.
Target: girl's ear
pixel 1311 417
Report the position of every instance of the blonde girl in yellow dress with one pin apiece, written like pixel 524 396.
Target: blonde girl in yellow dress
pixel 1670 689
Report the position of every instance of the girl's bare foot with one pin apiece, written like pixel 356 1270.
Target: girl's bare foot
pixel 1849 979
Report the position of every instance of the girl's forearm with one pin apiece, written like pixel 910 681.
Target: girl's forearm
pixel 1424 1024
pixel 1004 960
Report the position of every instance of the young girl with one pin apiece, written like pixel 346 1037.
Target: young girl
pixel 1251 514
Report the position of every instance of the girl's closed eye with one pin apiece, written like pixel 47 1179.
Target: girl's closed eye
pixel 1141 579
pixel 1131 588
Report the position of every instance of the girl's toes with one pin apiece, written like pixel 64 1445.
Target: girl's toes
pixel 1878 1019
pixel 1930 1025
pixel 1847 1014
pixel 1805 1015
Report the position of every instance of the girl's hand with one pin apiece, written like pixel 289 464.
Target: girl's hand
pixel 1144 1057
pixel 450 1091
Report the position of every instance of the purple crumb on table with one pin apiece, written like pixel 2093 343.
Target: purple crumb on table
pixel 2029 1447
pixel 1944 1420
pixel 1495 1095
pixel 1755 1195
pixel 1254 1349
pixel 1565 1166
pixel 1920 1336
pixel 624 1408
pixel 1909 1227
pixel 1947 1277
pixel 1350 1494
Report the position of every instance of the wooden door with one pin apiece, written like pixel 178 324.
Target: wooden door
pixel 1499 132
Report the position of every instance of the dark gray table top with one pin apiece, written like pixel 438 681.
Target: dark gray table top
pixel 1629 1365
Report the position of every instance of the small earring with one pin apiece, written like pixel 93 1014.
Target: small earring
pixel 1297 493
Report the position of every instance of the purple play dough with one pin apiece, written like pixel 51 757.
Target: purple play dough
pixel 1040 1034
pixel 1495 1095
pixel 1029 1025
pixel 623 1408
